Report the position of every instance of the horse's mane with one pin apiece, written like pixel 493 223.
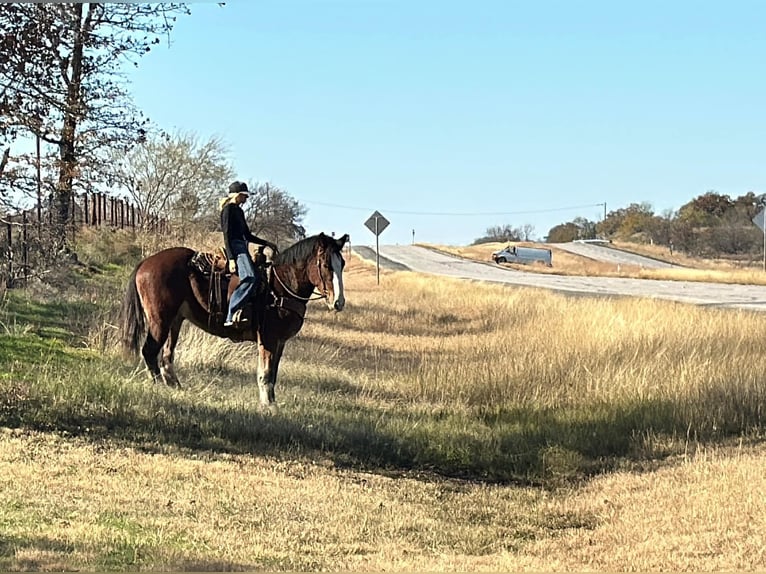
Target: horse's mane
pixel 301 251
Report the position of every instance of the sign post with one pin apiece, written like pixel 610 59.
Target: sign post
pixel 377 223
pixel 759 220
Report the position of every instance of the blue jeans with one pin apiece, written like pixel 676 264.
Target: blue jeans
pixel 248 280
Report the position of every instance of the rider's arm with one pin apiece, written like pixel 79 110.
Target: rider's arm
pixel 255 239
pixel 252 238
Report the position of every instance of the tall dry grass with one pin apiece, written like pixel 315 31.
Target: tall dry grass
pixel 469 345
pixel 435 424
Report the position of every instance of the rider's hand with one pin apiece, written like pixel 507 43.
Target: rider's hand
pixel 232 266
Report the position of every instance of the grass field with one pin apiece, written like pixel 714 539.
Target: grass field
pixel 435 424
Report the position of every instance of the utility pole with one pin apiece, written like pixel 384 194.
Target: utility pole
pixel 763 208
pixel 760 221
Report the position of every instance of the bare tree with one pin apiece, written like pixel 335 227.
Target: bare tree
pixel 527 232
pixel 507 232
pixel 61 79
pixel 273 213
pixel 178 177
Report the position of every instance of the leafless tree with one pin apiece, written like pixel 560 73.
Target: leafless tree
pixel 62 80
pixel 274 214
pixel 178 177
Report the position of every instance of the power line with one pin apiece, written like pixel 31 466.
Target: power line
pixel 456 214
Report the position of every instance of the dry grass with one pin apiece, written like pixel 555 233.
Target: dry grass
pixel 69 504
pixel 467 376
pixel 85 506
pixel 469 343
pixel 703 514
pixel 679 258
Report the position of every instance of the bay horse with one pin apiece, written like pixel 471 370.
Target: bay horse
pixel 166 288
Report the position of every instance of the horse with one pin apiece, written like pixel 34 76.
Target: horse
pixel 166 289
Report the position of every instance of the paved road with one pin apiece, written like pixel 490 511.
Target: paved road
pixel 427 261
pixel 611 255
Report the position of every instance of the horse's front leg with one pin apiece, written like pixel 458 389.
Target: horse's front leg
pixel 268 364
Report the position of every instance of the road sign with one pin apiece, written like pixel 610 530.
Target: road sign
pixel 376 223
pixel 758 219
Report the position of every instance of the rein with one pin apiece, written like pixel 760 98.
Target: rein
pixel 295 295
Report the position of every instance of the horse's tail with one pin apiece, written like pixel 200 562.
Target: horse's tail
pixel 133 322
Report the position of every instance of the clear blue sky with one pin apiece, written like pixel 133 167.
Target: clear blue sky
pixel 451 117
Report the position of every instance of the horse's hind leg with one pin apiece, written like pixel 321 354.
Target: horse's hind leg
pixel 157 337
pixel 150 352
pixel 168 353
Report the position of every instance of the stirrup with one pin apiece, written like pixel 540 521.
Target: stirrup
pixel 238 317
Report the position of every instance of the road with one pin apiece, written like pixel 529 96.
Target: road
pixel 611 255
pixel 708 294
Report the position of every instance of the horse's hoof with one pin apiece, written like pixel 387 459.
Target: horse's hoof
pixel 270 409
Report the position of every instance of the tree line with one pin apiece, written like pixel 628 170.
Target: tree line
pixel 709 225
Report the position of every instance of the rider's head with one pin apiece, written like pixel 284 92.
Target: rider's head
pixel 238 192
pixel 238 187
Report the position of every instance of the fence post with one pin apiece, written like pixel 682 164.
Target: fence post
pixel 24 247
pixel 9 279
pixel 73 211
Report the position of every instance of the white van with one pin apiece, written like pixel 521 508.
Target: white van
pixel 523 255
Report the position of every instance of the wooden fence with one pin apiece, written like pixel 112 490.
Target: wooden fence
pixel 29 231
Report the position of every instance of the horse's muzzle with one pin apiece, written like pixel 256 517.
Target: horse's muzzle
pixel 338 306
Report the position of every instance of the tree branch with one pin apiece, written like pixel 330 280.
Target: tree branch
pixel 4 160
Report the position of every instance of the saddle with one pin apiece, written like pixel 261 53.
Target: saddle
pixel 215 267
pixel 206 262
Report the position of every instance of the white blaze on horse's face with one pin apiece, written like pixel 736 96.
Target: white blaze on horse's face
pixel 336 261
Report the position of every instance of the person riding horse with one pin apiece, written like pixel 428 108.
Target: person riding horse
pixel 236 235
pixel 167 288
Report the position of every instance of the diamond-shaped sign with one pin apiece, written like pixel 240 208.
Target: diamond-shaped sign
pixel 759 219
pixel 377 223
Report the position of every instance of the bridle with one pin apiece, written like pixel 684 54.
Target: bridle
pixel 322 294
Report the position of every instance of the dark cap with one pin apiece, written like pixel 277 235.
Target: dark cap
pixel 238 187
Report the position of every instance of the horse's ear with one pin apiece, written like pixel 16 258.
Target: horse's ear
pixel 342 241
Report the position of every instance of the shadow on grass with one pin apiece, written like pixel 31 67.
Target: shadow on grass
pixel 50 320
pixel 43 554
pixel 523 445
pixel 43 547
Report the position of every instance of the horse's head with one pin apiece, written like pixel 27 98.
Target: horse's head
pixel 327 272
